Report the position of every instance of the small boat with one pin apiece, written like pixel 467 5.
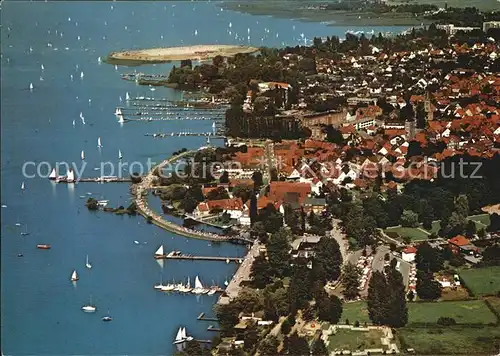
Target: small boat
pixel 99 142
pixel 73 122
pixel 31 87
pixel 53 174
pixel 107 317
pixel 89 308
pixel 211 292
pixel 181 336
pixel 198 287
pixel 25 232
pixel 81 75
pixel 82 155
pixel 120 119
pixel 70 178
pixel 136 242
pixel 87 264
pixel 43 247
pixel 118 111
pixel 102 203
pixel 127 96
pixel 42 67
pixel 74 276
pixel 226 283
pixel 167 288
pixel 227 260
pixel 4 206
pixel 120 156
pixel 159 252
pixel 22 186
pixel 99 60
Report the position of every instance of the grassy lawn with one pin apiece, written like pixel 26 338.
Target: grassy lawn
pixel 482 281
pixel 474 311
pixel 495 303
pixel 451 340
pixel 412 233
pixel 355 311
pixel 482 221
pixel 355 340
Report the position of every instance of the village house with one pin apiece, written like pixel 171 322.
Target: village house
pixel 409 254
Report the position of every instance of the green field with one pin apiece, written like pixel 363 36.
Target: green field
pixel 411 232
pixel 474 312
pixel 482 221
pixel 495 303
pixel 482 281
pixel 451 340
pixel 355 340
pixel 355 311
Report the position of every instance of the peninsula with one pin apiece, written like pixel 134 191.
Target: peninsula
pixel 198 52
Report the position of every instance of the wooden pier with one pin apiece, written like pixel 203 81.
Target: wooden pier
pixel 202 317
pixel 213 328
pixel 177 255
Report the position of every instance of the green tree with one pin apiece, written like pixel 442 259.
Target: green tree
pixel 300 286
pixel 278 249
pixel 250 338
pixel 188 203
pixel 427 287
pixel 261 272
pixel 350 280
pixel 409 219
pixel 286 327
pixel 249 300
pixel 398 312
pixel 329 257
pixel 329 309
pixel 228 315
pixel 269 346
pixel 298 345
pixel 319 348
pixel 378 297
pixel 427 258
pixel 470 229
pixel 462 205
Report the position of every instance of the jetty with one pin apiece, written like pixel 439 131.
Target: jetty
pixel 213 328
pixel 177 255
pixel 202 317
pixel 185 134
pixel 95 180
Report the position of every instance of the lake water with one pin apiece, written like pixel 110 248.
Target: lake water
pixel 40 307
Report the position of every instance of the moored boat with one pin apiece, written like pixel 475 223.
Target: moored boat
pixel 159 252
pixel 43 247
pixel 89 308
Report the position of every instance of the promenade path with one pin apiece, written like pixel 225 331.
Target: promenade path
pixel 141 192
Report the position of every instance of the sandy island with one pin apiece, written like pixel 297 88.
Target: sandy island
pixel 199 52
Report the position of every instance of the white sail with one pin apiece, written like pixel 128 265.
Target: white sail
pixel 87 264
pixel 71 176
pixel 53 174
pixel 120 156
pixel 73 122
pixel 22 185
pixel 121 120
pixel 159 252
pixel 188 285
pixel 31 86
pixel 127 96
pixel 81 74
pixel 99 142
pixel 99 60
pixel 118 111
pixel 74 276
pixel 42 67
pixel 82 155
pixel 184 333
pixel 197 283
pixel 179 335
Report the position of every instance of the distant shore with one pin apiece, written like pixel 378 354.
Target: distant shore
pixel 167 54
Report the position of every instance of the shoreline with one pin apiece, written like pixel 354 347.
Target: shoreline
pixel 167 54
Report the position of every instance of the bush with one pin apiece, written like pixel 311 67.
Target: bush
pixel 356 324
pixel 446 321
pixel 286 327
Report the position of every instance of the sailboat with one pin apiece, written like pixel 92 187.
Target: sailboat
pixel 82 155
pixel 159 252
pixel 226 283
pixel 198 287
pixel 31 86
pixel 89 308
pixel 22 186
pixel 184 334
pixel 81 75
pixel 99 60
pixel 87 264
pixel 188 288
pixel 159 286
pixel 120 119
pixel 53 174
pixel 179 338
pixel 42 67
pixel 99 142
pixel 127 96
pixel 74 276
pixel 70 178
pixel 25 232
pixel 120 156
pixel 107 317
pixel 118 111
pixel 73 122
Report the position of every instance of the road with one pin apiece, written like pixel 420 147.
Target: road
pixel 242 274
pixel 338 235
